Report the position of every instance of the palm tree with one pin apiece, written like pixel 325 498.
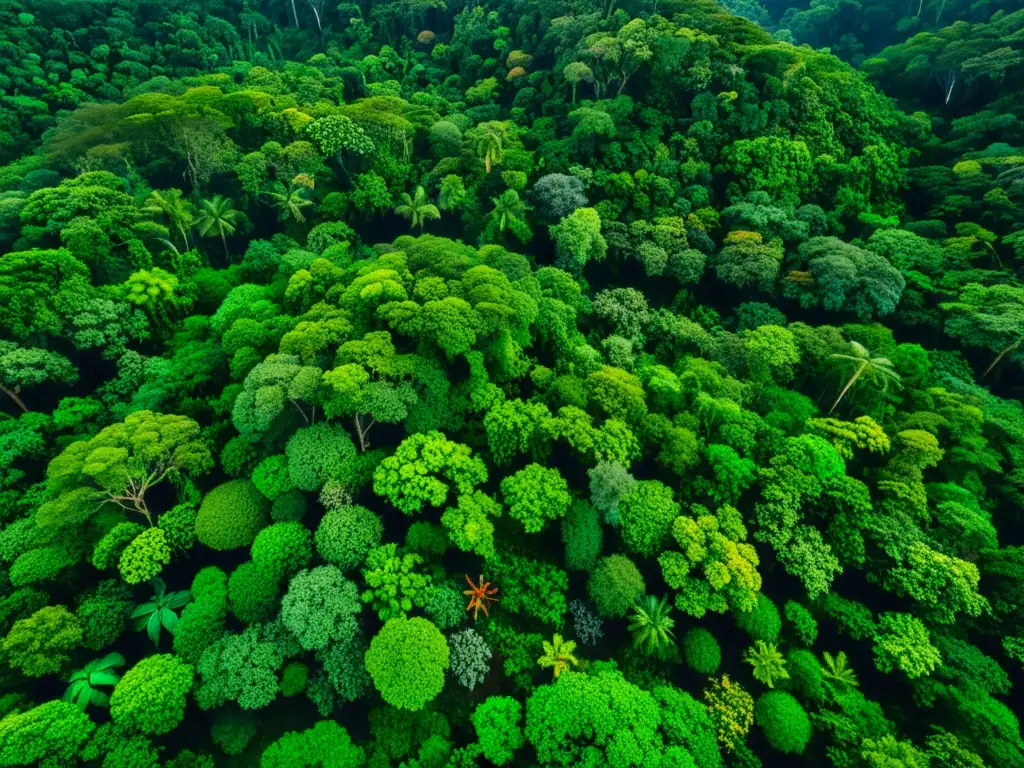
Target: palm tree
pixel 490 141
pixel 509 210
pixel 172 206
pixel 836 669
pixel 218 217
pixel 160 611
pixel 873 369
pixel 651 626
pixel 768 663
pixel 289 200
pixel 417 209
pixel 83 682
pixel 558 655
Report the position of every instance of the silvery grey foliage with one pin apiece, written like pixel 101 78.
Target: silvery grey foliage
pixel 610 481
pixel 557 195
pixel 586 623
pixel 470 657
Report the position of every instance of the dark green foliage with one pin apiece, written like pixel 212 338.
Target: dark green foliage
pixel 445 606
pixel 103 614
pixel 701 651
pixel 282 549
pixel 805 675
pixel 614 585
pixel 253 593
pixel 582 536
pixel 294 678
pixel 427 539
pixel 317 454
pixel 784 722
pixel 803 625
pixel 231 515
pixel 202 621
pixel 243 668
pixel 673 239
pixel 529 587
pixel 233 729
pixel 762 623
pixel 320 607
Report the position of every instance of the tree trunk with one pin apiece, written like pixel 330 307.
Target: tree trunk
pixel 363 432
pixel 141 506
pixel 295 15
pixel 317 14
pixel 948 81
pixel 850 383
pixel 1000 356
pixel 14 396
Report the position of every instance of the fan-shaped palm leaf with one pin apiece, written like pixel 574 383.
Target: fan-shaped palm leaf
pixel 837 669
pixel 652 625
pixel 289 200
pixel 417 209
pixel 558 654
pixel 84 683
pixel 877 370
pixel 173 206
pixel 218 217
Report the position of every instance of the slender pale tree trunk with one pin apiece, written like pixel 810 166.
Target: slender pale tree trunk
pixel 948 82
pixel 317 14
pixel 363 432
pixel 850 383
pixel 14 396
pixel 1000 356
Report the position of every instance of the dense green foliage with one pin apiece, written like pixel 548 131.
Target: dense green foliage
pixel 451 383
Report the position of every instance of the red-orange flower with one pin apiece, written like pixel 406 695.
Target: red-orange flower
pixel 479 596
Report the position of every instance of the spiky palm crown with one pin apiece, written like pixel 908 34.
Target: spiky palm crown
pixel 651 625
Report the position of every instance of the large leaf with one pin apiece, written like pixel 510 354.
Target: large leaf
pixel 103 678
pixel 153 628
pixel 169 619
pixel 74 689
pixel 159 587
pixel 143 610
pixel 179 599
pixel 84 695
pixel 99 699
pixel 109 661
